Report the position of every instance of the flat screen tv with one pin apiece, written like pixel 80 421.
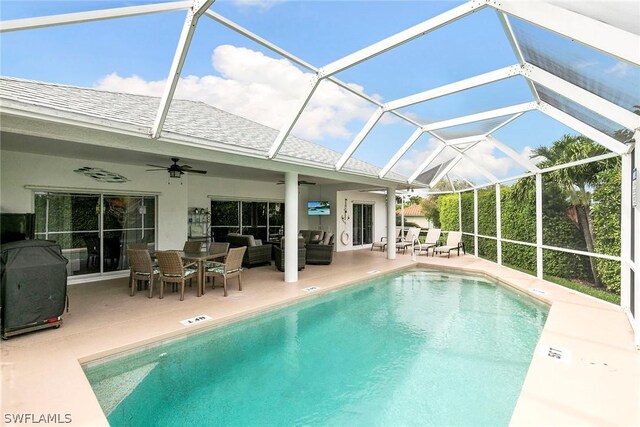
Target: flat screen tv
pixel 318 208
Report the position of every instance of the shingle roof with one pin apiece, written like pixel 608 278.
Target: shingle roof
pixel 188 118
pixel 412 210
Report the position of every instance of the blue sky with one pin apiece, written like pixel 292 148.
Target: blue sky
pixel 229 71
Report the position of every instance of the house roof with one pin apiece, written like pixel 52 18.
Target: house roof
pixel 209 125
pixel 412 210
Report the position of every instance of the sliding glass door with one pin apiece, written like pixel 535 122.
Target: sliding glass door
pixel 362 224
pixel 94 230
pixel 263 220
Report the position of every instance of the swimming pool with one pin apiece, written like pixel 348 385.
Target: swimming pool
pixel 414 348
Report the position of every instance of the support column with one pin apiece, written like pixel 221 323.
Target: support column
pixel 475 222
pixel 460 211
pixel 498 226
pixel 291 227
pixel 540 269
pixel 626 239
pixel 636 242
pixel 391 223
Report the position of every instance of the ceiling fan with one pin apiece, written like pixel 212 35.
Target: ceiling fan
pixel 300 182
pixel 176 170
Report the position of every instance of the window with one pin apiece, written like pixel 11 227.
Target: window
pixel 263 220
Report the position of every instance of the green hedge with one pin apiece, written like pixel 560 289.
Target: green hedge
pixel 487 212
pixel 448 206
pixel 467 211
pixel 606 226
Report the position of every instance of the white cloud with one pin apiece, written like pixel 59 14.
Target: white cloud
pixel 619 69
pixel 260 88
pixel 483 155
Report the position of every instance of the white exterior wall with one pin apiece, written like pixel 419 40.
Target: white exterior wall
pixel 18 170
pixel 379 215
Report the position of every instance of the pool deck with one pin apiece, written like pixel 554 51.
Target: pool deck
pixel 595 382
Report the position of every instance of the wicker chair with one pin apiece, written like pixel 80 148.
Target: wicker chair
pixel 219 247
pixel 232 267
pixel 173 271
pixel 137 245
pixel 302 254
pixel 192 246
pixel 319 254
pixel 142 269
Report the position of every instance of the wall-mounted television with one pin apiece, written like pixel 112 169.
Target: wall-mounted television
pixel 318 208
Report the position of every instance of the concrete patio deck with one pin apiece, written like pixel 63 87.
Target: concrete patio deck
pixel 596 383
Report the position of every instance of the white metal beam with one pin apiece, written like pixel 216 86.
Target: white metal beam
pixel 426 163
pixel 514 109
pixel 90 16
pixel 465 140
pixel 396 157
pixel 458 86
pixel 291 121
pixel 446 170
pixel 191 21
pixel 588 131
pixel 515 46
pixel 359 138
pixel 524 162
pixel 401 37
pixel 539 254
pixel 595 34
pixel 583 97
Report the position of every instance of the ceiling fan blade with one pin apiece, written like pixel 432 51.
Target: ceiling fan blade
pixel 160 169
pixel 185 166
pixel 307 183
pixel 157 166
pixel 196 171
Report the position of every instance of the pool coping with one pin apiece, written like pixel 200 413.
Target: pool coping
pixel 574 397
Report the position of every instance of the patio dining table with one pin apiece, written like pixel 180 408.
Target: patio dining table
pixel 200 258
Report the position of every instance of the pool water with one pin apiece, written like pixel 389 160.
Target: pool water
pixel 413 348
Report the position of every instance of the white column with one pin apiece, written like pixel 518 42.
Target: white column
pixel 636 243
pixel 291 227
pixel 540 269
pixel 391 223
pixel 475 222
pixel 626 211
pixel 460 211
pixel 498 226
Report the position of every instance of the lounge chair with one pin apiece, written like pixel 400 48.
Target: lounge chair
pixel 232 267
pixel 410 239
pixel 454 241
pixel 382 244
pixel 431 241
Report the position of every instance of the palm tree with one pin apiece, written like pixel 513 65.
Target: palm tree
pixel 576 182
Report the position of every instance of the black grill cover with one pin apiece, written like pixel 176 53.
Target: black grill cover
pixel 33 283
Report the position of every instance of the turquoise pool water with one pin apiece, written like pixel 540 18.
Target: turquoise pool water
pixel 414 348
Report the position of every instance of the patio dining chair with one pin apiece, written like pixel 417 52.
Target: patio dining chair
pixel 232 267
pixel 430 241
pixel 142 269
pixel 219 247
pixel 173 271
pixel 192 246
pixel 454 241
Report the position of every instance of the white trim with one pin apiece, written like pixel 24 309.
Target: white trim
pixel 583 97
pixel 91 16
pixel 492 114
pixel 479 80
pixel 576 27
pixel 85 190
pixel 401 37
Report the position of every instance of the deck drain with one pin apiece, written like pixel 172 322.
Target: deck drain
pixel 311 289
pixel 373 272
pixel 555 353
pixel 194 320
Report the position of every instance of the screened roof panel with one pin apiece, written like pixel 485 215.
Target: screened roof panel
pixel 513 91
pixel 416 155
pixel 622 14
pixel 492 160
pixel 581 113
pixel 470 129
pixel 587 68
pixel 427 176
pixel 436 58
pixel 384 140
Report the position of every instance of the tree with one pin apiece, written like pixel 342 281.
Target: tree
pixel 575 182
pixel 430 210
